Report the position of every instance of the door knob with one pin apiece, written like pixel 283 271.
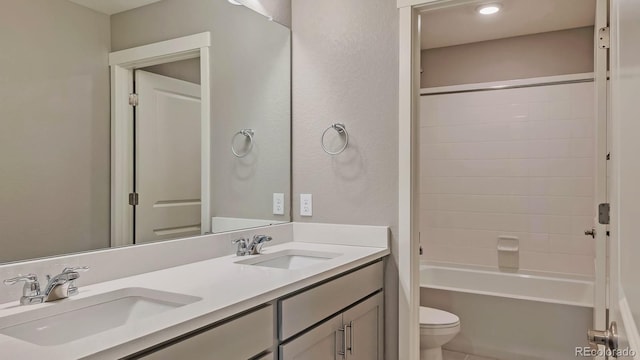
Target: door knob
pixel 608 338
pixel 590 232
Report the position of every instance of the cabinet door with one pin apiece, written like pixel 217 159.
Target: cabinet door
pixel 364 327
pixel 320 343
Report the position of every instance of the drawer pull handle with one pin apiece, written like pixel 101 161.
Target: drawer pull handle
pixel 351 342
pixel 343 351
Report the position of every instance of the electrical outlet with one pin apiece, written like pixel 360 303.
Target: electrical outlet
pixel 306 205
pixel 278 204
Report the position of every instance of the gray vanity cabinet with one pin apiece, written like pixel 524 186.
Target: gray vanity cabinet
pixel 310 330
pixel 309 307
pixel 356 334
pixel 336 319
pixel 241 338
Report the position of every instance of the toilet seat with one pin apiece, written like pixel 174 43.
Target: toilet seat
pixel 431 318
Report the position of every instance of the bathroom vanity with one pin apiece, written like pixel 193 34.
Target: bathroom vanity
pixel 318 291
pixel 302 322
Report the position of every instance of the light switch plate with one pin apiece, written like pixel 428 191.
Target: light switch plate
pixel 278 204
pixel 306 205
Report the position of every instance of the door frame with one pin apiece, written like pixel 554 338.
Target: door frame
pixel 408 238
pixel 619 308
pixel 122 64
pixel 407 255
pixel 600 303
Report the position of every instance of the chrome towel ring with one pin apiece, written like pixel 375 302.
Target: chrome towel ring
pixel 341 130
pixel 248 133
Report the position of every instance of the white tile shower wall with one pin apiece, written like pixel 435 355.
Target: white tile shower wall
pixel 509 162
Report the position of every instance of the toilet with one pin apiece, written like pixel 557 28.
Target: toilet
pixel 437 327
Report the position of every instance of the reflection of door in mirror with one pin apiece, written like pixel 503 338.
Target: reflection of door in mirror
pixel 167 165
pixel 67 151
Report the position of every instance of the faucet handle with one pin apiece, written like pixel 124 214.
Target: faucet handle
pixel 242 246
pixel 28 279
pixel 261 238
pixel 30 289
pixel 75 269
pixel 73 288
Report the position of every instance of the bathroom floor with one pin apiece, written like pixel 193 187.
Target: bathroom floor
pixel 454 355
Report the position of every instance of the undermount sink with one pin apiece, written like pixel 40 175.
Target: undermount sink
pixel 70 320
pixel 290 259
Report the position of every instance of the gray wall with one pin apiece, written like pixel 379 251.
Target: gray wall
pixel 545 54
pixel 278 10
pixel 250 66
pixel 187 70
pixel 345 69
pixel 54 129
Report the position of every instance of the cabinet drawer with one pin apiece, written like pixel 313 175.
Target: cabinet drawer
pixel 240 338
pixel 316 304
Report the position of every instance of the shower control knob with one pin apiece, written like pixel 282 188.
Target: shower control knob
pixel 590 232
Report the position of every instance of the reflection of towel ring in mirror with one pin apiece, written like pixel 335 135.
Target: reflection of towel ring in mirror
pixel 341 130
pixel 248 133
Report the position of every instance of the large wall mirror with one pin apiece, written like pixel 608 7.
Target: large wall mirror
pixel 61 156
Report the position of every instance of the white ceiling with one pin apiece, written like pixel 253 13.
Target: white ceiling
pixel 462 24
pixel 111 7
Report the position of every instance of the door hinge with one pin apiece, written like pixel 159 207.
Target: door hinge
pixel 604 214
pixel 133 99
pixel 133 199
pixel 604 40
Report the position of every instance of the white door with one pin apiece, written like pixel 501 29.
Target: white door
pixel 167 160
pixel 624 244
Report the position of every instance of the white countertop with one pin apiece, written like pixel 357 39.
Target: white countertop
pixel 226 289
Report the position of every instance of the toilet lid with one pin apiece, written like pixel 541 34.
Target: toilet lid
pixel 434 317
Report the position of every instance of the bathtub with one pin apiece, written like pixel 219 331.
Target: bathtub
pixel 511 316
pixel 550 288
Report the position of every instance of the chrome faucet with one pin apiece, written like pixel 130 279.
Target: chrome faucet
pixel 255 246
pixel 251 247
pixel 58 287
pixel 63 285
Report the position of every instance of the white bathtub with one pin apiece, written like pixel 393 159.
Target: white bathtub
pixel 551 288
pixel 511 316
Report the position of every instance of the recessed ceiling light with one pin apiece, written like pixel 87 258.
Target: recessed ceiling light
pixel 234 2
pixel 488 9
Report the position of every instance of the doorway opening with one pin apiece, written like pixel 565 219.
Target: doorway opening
pixel 502 142
pixel 161 140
